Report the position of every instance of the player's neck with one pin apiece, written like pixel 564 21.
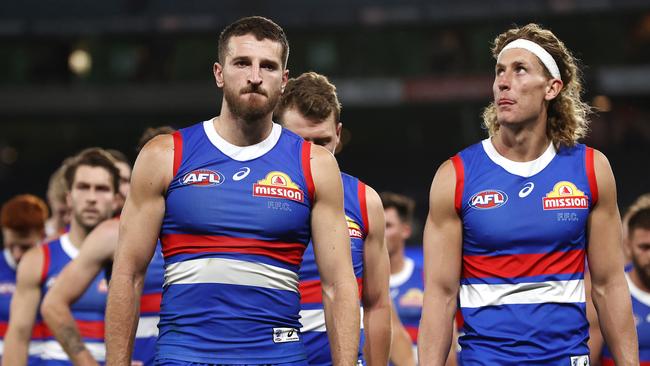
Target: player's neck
pixel 77 234
pixel 240 132
pixel 397 261
pixel 638 282
pixel 521 143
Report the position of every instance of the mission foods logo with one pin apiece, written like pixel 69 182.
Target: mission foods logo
pixel 278 185
pixel 565 195
pixel 202 178
pixel 487 199
pixel 353 228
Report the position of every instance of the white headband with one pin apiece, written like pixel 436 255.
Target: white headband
pixel 538 51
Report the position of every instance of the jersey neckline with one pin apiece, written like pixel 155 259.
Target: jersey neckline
pixel 68 247
pixel 524 169
pixel 636 292
pixel 402 276
pixel 242 153
pixel 9 259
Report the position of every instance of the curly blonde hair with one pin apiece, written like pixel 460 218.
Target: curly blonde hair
pixel 567 113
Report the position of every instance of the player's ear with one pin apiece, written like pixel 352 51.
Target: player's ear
pixel 217 70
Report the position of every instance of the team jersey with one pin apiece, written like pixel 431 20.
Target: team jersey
pixel 522 292
pixel 407 293
pixel 144 348
pixel 88 310
pixel 312 312
pixel 641 310
pixel 236 224
pixel 7 289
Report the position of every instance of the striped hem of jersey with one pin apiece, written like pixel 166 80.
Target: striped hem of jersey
pixel 150 303
pixel 147 327
pixel 523 265
pixel 480 295
pixel 35 348
pixel 311 291
pixel 314 320
pixel 173 244
pixel 52 350
pixel 231 272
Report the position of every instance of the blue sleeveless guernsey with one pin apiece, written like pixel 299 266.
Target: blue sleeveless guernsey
pixel 641 310
pixel 524 242
pixel 88 310
pixel 312 313
pixel 7 289
pixel 407 293
pixel 236 224
pixel 144 348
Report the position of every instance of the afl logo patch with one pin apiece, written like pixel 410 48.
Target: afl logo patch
pixel 487 199
pixel 202 178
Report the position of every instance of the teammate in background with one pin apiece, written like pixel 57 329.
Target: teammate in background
pixel 509 220
pixel 124 166
pixel 96 254
pixel 23 227
pixel 56 197
pixel 235 199
pixel 309 107
pixel 92 185
pixel 152 132
pixel 637 245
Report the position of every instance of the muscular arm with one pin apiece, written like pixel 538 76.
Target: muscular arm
pixel 332 249
pixel 24 305
pixel 609 289
pixel 442 266
pixel 139 227
pixel 72 282
pixel 375 296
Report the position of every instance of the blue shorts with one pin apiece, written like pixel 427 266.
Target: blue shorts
pixel 168 362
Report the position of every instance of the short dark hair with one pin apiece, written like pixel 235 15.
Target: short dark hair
pixel 119 156
pixel 405 206
pixel 24 213
pixel 313 95
pixel 94 157
pixel 260 27
pixel 152 132
pixel 639 220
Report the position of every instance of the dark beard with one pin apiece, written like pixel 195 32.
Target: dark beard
pixel 246 111
pixel 642 272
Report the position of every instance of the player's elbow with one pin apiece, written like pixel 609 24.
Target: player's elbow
pixel 50 309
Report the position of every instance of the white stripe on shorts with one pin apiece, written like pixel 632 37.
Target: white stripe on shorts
pixel 478 295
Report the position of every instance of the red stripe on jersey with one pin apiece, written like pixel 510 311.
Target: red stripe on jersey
pixel 3 329
pixel 459 319
pixel 591 175
pixel 173 244
pixel 311 291
pixel 46 263
pixel 178 151
pixel 306 169
pixel 87 329
pixel 523 265
pixel 606 361
pixel 413 332
pixel 363 207
pixel 150 303
pixel 460 181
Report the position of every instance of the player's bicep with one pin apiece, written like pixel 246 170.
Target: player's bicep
pixel 145 206
pixel 328 228
pixel 375 254
pixel 443 232
pixel 605 255
pixel 26 298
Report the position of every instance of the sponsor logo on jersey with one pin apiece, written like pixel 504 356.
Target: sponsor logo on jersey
pixel 283 335
pixel 487 199
pixel 580 360
pixel 565 195
pixel 241 174
pixel 354 228
pixel 528 187
pixel 278 185
pixel 202 178
pixel 413 298
pixel 7 288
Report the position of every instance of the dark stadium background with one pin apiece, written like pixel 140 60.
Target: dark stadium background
pixel 413 77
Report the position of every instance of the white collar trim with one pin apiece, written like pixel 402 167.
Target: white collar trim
pixel 402 276
pixel 68 247
pixel 242 153
pixel 524 169
pixel 637 293
pixel 9 259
